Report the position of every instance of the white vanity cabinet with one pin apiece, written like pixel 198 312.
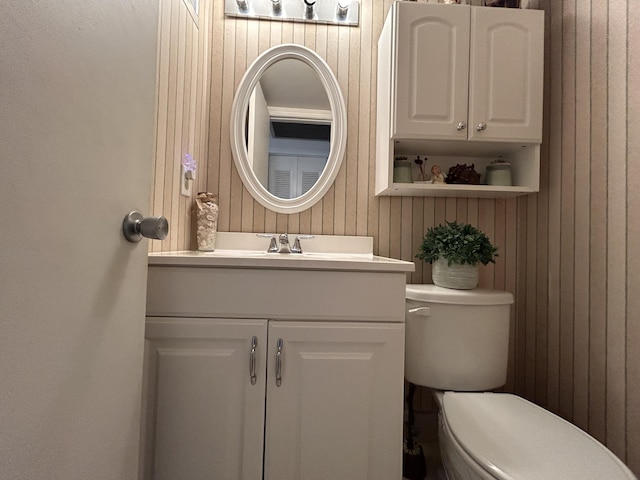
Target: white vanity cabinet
pixel 326 399
pixel 461 82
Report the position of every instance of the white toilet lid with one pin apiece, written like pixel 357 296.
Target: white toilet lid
pixel 513 439
pixel 478 296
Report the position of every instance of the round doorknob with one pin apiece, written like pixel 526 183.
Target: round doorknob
pixel 135 226
pixel 481 126
pixel 461 125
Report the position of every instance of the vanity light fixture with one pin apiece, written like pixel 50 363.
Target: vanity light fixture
pixel 334 12
pixel 343 9
pixel 309 12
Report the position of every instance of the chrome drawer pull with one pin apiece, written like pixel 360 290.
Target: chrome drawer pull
pixel 279 344
pixel 252 361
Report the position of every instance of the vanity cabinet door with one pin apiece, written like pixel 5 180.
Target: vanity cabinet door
pixel 336 412
pixel 506 77
pixel 204 417
pixel 432 71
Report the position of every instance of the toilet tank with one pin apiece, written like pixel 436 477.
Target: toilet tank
pixel 457 339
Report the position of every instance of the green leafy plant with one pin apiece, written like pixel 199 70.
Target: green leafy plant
pixel 458 243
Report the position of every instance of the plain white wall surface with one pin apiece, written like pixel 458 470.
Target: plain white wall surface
pixel 76 128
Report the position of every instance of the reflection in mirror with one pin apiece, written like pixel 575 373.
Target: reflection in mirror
pixel 288 128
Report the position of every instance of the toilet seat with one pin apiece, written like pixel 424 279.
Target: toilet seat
pixel 512 439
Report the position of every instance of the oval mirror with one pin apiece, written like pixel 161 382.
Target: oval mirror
pixel 288 128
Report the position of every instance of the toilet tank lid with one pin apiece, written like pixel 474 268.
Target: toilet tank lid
pixel 511 438
pixel 478 296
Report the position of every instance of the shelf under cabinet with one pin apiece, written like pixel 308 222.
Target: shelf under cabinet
pixel 448 190
pixel 524 161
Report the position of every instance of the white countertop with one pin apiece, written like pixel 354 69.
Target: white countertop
pixel 324 252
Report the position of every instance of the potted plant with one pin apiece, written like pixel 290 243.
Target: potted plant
pixel 455 250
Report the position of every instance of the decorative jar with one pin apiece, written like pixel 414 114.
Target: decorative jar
pixel 206 209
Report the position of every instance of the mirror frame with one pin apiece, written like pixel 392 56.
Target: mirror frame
pixel 239 128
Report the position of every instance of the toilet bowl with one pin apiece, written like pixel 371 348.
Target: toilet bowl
pixel 457 344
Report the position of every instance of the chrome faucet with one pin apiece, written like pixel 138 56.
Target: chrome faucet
pixel 283 239
pixel 283 245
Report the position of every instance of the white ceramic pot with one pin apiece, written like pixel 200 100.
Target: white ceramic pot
pixel 459 277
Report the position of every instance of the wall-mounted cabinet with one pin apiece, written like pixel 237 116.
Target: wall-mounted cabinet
pixel 459 83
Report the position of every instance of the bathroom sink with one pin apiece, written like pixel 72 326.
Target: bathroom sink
pixel 335 256
pixel 235 253
pixel 231 253
pixel 331 256
pixel 323 252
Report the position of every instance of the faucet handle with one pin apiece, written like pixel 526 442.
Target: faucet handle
pixel 273 246
pixel 297 248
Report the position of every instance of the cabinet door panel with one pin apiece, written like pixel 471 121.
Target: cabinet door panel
pixel 432 71
pixel 338 411
pixel 204 417
pixel 507 49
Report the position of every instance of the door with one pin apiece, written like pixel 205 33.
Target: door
pixel 204 413
pixel 337 411
pixel 432 71
pixel 506 78
pixel 77 123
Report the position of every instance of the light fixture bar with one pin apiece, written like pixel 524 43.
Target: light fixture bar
pixel 335 12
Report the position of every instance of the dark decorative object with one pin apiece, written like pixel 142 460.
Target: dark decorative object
pixel 463 174
pixel 502 3
pixel 421 164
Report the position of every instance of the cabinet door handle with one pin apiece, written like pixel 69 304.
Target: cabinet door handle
pixel 252 361
pixel 481 126
pixel 279 346
pixel 422 311
pixel 461 125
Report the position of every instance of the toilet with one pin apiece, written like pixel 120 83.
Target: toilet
pixel 457 343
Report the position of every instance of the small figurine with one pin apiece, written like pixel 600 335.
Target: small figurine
pixel 436 174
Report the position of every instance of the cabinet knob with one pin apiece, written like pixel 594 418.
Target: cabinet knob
pixel 461 125
pixel 481 126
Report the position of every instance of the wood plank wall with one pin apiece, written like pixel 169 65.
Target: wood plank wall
pixel 182 114
pixel 582 339
pixel 570 254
